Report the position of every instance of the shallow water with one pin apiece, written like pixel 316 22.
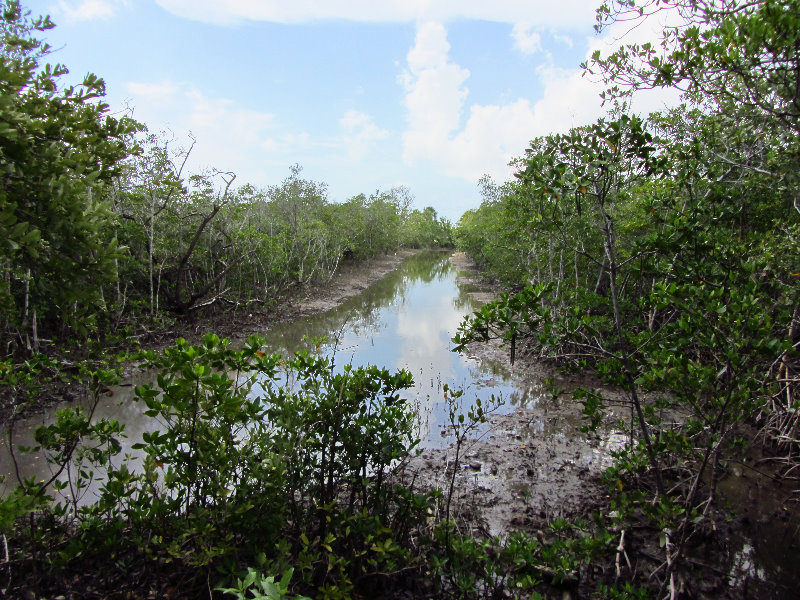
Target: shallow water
pixel 405 320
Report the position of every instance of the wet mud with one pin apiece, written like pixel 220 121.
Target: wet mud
pixel 350 279
pixel 531 463
pixel 525 467
pixel 535 464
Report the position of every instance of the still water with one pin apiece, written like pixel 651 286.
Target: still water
pixel 404 321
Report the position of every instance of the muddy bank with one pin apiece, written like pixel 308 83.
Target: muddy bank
pixel 350 279
pixel 526 467
pixel 519 476
pixel 534 465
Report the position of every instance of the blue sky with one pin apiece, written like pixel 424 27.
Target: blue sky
pixel 364 94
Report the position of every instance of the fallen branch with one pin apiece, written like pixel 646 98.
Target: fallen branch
pixel 621 552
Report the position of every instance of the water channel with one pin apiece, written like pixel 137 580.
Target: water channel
pixel 406 320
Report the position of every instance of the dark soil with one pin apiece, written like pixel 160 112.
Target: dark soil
pixel 351 278
pixel 535 464
pixel 530 467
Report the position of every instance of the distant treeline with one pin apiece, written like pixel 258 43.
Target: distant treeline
pixel 101 225
pixel 196 241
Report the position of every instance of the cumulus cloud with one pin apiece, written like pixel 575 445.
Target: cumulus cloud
pixel 250 142
pixel 87 10
pixel 361 133
pixel 227 134
pixel 526 39
pixel 542 12
pixel 650 30
pixel 563 38
pixel 162 91
pixel 491 135
pixel 435 95
pixel 425 334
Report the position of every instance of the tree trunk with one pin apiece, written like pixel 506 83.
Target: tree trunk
pixel 610 250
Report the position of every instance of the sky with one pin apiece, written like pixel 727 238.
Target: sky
pixel 362 94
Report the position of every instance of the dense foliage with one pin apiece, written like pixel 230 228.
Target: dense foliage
pixel 663 254
pixel 198 242
pixel 262 477
pixel 253 459
pixel 59 152
pixel 102 226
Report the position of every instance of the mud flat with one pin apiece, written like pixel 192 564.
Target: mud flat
pixel 349 280
pixel 534 464
pixel 528 466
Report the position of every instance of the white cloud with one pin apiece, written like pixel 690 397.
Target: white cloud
pixel 434 93
pixel 526 39
pixel 361 133
pixel 228 135
pixel 425 334
pixel 624 33
pixel 542 12
pixel 493 134
pixel 163 91
pixel 87 10
pixel 435 98
pixel 564 39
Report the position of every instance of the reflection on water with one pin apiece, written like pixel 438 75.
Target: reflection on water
pixel 403 321
pixel 406 321
pixel 764 545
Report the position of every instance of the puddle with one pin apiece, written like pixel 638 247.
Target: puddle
pixel 764 537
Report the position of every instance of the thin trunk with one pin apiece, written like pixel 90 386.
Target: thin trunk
pixel 34 330
pixel 560 272
pixel 150 239
pixel 653 313
pixel 600 274
pixel 577 274
pixel 610 245
pixel 118 299
pixel 158 285
pixel 25 309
